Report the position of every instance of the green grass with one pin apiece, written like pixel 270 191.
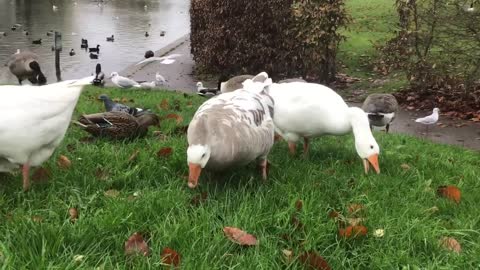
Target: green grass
pixel 373 23
pixel 331 178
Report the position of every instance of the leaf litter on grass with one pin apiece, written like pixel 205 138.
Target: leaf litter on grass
pixel 73 212
pixel 63 162
pixel 164 152
pixel 314 261
pixel 450 192
pixel 450 244
pixel 240 237
pixel 135 245
pixel 170 257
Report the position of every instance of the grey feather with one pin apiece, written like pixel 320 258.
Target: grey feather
pixel 380 103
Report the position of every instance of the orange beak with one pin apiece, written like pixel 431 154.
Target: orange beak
pixel 193 174
pixel 373 159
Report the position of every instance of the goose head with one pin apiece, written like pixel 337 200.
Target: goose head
pixel 197 157
pixel 365 144
pixel 38 72
pixel 199 86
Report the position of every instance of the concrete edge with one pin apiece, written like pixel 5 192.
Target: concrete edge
pixel 133 68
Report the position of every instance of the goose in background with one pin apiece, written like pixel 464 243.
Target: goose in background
pixel 146 34
pixel 99 79
pixel 50 33
pixel 213 136
pixel 233 83
pixel 380 109
pixel 3 34
pixel 54 8
pixel 13 28
pixel 25 32
pixel 111 39
pixel 37 41
pixel 84 44
pixel 162 33
pixel 96 49
pixel 168 59
pixel 123 82
pixel 149 54
pixel 72 52
pixel 36 122
pixel 25 65
pixel 309 110
pixel 93 56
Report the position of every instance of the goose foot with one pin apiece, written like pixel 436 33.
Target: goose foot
pixel 25 173
pixel 292 146
pixel 387 128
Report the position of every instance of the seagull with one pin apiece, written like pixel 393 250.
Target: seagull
pixel 206 92
pixel 55 8
pixel 123 82
pixel 159 79
pixel 148 85
pixel 429 120
pixel 111 106
pixel 165 59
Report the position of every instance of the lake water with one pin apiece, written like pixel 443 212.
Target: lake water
pixel 128 20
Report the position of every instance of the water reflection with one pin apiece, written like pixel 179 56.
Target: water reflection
pixel 128 20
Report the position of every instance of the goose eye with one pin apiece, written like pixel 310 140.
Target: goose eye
pixel 203 155
pixel 371 146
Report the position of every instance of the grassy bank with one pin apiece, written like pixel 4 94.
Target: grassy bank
pixel 373 22
pixel 153 198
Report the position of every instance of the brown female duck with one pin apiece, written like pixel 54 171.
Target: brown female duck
pixel 117 125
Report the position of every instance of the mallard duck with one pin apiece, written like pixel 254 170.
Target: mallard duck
pixel 231 129
pixel 380 109
pixel 34 122
pixel 308 110
pixel 24 65
pixel 117 125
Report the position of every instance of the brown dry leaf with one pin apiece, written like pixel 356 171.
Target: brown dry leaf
pixel 160 135
pixel 164 152
pixel 450 192
pixel 405 166
pixel 355 208
pixel 451 244
pixel 314 261
pixel 87 139
pixel 73 212
pixel 296 222
pixel 240 237
pixel 112 193
pixel 170 257
pixel 71 147
pixel 164 105
pixel 199 199
pixel 189 104
pixel 476 119
pixel 177 117
pixel 134 156
pixel 299 205
pixel 333 214
pixel 353 231
pixel 63 162
pixel 125 100
pixel 37 219
pixel 277 138
pixel 136 245
pixel 288 254
pixel 41 175
pixel 101 174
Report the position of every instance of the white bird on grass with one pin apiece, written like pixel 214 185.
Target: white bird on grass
pixel 123 82
pixel 168 59
pixel 33 122
pixel 430 119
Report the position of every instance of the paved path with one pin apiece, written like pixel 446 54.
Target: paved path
pixel 180 77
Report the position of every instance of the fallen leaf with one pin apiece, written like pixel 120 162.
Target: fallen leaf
pixel 199 199
pixel 41 175
pixel 405 167
pixel 296 223
pixel 133 156
pixel 37 219
pixel 112 193
pixel 164 152
pixel 160 135
pixel 379 233
pixel 136 245
pixel 355 221
pixel 299 205
pixel 78 258
pixel 354 208
pixel 189 104
pixel 63 162
pixel 277 138
pixel 71 147
pixel 240 237
pixel 450 192
pixel 170 257
pixel 333 214
pixel 353 231
pixel 288 254
pixel 164 105
pixel 314 261
pixel 101 174
pixel 73 212
pixel 451 244
pixel 174 116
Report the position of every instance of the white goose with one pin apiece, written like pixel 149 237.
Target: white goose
pixel 307 110
pixel 231 129
pixel 33 122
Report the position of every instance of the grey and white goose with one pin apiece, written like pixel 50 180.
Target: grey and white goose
pixel 25 65
pixel 380 109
